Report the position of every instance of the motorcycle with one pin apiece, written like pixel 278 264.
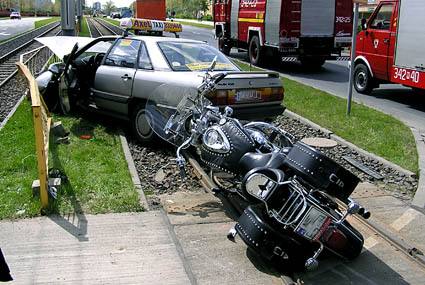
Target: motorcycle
pixel 290 188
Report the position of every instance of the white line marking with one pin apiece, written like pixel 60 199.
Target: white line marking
pixel 405 219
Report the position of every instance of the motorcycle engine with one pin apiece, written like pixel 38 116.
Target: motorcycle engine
pixel 224 144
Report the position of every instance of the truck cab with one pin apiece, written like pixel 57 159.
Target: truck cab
pixel 390 46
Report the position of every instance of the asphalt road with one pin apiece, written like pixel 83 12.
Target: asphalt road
pixel 395 100
pixel 10 28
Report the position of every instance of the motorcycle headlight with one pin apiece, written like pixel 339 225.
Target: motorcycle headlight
pixel 259 185
pixel 215 140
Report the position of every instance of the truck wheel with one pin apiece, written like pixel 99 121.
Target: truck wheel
pixel 140 125
pixel 223 47
pixel 363 82
pixel 312 63
pixel 255 51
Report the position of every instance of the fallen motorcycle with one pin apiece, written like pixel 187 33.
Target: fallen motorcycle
pixel 290 188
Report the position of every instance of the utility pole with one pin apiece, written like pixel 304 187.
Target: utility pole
pixel 353 52
pixel 79 10
pixel 68 17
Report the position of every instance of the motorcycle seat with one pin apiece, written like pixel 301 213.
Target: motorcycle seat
pixel 252 160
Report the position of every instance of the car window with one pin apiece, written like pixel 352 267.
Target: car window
pixel 382 20
pixel 99 47
pixel 144 60
pixel 123 53
pixel 187 56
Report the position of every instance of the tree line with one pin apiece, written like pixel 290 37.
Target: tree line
pixel 187 8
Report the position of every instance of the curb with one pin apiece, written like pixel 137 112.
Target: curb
pixel 419 199
pixel 133 172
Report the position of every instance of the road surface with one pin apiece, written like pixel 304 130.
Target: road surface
pixel 10 28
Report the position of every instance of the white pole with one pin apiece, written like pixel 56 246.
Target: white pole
pixel 353 54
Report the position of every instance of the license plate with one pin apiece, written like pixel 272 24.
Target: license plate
pixel 248 95
pixel 313 225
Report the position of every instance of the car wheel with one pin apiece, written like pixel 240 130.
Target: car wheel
pixel 363 82
pixel 141 125
pixel 255 51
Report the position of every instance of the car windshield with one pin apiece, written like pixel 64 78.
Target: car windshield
pixel 187 56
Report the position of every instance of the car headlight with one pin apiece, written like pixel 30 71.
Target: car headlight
pixel 215 140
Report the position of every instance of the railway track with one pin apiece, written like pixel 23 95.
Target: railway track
pixel 11 86
pixel 11 45
pixel 7 62
pixel 98 28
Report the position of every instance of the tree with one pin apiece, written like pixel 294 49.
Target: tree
pixel 108 7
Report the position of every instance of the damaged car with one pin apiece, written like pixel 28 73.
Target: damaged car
pixel 115 75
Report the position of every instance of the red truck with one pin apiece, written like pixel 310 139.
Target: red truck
pixel 390 47
pixel 150 9
pixel 307 30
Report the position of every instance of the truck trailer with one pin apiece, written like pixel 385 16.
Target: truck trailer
pixel 390 47
pixel 310 31
pixel 150 9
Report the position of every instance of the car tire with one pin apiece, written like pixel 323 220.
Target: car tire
pixel 363 81
pixel 255 51
pixel 140 125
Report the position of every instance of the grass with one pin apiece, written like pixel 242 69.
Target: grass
pixel 17 35
pixel 112 21
pixel 84 28
pixel 44 22
pixel 99 181
pixel 199 25
pixel 367 128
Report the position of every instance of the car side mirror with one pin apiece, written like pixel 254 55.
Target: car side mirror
pixel 364 24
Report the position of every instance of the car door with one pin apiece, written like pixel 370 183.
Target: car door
pixel 114 78
pixel 376 40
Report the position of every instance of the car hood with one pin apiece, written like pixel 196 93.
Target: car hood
pixel 62 45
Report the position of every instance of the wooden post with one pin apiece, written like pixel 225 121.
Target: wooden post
pixel 42 122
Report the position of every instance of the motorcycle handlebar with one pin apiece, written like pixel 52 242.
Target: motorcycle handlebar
pixel 219 77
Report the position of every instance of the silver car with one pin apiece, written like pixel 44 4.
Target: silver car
pixel 116 75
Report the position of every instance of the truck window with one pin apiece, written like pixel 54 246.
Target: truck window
pixel 123 54
pixel 382 19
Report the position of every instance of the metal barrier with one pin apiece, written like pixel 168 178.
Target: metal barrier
pixel 34 59
pixel 42 120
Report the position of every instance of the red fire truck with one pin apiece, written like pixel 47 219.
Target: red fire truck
pixel 390 47
pixel 307 30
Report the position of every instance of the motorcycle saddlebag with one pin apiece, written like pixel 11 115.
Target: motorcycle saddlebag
pixel 320 171
pixel 265 239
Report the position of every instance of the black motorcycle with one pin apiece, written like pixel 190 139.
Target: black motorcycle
pixel 290 187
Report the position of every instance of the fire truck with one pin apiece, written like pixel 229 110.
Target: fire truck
pixel 150 9
pixel 390 47
pixel 310 31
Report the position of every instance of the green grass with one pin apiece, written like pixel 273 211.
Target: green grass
pixel 367 128
pixel 199 25
pixel 84 28
pixel 112 21
pixel 99 181
pixel 44 22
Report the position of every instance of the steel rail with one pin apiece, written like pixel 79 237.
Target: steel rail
pixel 102 23
pixel 12 52
pixel 36 50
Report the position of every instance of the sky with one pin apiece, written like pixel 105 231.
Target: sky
pixel 117 3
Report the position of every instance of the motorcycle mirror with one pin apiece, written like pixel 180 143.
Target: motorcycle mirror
pixel 353 208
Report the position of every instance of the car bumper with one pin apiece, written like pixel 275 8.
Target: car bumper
pixel 258 112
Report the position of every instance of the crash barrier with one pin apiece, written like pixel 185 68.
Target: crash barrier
pixel 42 122
pixel 33 59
